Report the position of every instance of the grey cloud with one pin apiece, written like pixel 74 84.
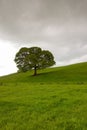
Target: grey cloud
pixel 58 25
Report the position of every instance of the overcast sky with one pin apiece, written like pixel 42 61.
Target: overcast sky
pixel 56 25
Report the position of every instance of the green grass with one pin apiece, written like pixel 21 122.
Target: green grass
pixel 55 99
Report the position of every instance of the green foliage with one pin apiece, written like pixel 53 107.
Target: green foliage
pixel 33 58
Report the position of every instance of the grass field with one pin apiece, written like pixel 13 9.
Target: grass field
pixel 55 99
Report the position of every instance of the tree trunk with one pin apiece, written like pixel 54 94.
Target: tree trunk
pixel 35 71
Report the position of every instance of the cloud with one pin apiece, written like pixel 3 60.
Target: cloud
pixel 57 25
pixel 7 54
pixel 31 20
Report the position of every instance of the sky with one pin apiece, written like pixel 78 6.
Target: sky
pixel 59 26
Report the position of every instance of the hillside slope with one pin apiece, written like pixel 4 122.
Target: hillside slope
pixel 76 73
pixel 55 99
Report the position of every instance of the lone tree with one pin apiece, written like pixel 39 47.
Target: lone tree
pixel 33 58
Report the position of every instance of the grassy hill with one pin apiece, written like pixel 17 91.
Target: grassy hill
pixel 55 99
pixel 76 73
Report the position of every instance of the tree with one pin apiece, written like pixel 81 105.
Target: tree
pixel 33 58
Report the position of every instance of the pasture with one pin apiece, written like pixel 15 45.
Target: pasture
pixel 55 99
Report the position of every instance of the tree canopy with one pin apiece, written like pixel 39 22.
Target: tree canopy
pixel 33 58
